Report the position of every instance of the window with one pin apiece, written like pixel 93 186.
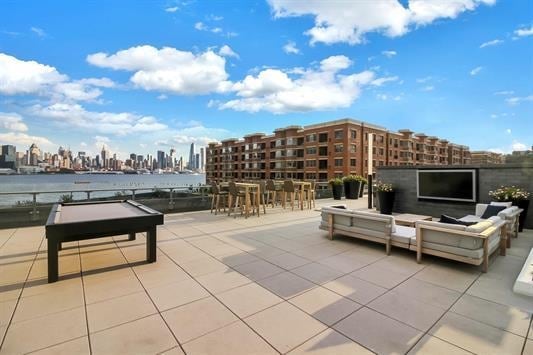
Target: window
pixel 339 134
pixel 338 148
pixel 323 164
pixel 310 163
pixel 311 137
pixel 353 148
pixel 338 162
pixel 353 134
pixel 310 150
pixel 323 137
pixel 310 176
pixel 323 151
pixel 381 151
pixel 353 162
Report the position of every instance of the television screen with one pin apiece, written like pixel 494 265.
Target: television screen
pixel 453 185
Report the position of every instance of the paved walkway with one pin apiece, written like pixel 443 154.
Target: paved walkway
pixel 267 285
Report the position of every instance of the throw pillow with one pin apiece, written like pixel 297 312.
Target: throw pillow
pixel 451 220
pixel 492 211
pixel 506 204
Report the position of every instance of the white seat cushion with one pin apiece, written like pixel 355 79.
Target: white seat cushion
pixel 470 218
pixel 403 234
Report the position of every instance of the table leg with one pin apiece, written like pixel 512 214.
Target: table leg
pixel 258 200
pixel 151 245
pixel 302 197
pixel 53 271
pixel 131 236
pixel 247 202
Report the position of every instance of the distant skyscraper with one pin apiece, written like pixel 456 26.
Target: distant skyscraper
pixel 34 155
pixel 161 159
pixel 8 158
pixel 202 159
pixel 172 158
pixel 105 157
pixel 192 157
pixel 197 161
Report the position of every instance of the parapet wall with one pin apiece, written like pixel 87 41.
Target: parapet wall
pixel 490 177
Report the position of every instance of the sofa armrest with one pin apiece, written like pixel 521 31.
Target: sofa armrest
pixel 455 232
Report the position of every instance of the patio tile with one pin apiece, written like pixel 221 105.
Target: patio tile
pixel 203 266
pixel 428 293
pixel 530 334
pixel 165 275
pixel 48 303
pixel 146 335
pixel 115 311
pixel 248 299
pixel 317 273
pixel 381 276
pixel 355 289
pixel 237 258
pixel 330 342
pixel 408 310
pixel 286 284
pixel 107 285
pixel 475 336
pixel 222 281
pixel 497 315
pixel 431 345
pixel 45 331
pixel 500 291
pixel 257 270
pixel 78 346
pixel 174 351
pixel 198 318
pixel 234 339
pixel 324 305
pixel 6 311
pixel 449 276
pixel 287 261
pixel 285 326
pixel 344 263
pixel 378 333
pixel 176 294
pixel 528 348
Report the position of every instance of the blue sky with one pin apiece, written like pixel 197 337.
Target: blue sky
pixel 141 76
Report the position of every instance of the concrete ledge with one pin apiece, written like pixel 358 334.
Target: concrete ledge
pixel 524 282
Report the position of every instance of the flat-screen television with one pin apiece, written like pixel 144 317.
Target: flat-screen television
pixel 447 184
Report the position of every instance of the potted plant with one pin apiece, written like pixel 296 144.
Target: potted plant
pixel 336 188
pixel 385 194
pixel 352 185
pixel 519 197
pixel 363 183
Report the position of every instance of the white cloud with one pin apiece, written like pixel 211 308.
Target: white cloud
pixel 99 82
pixel 475 71
pixel 74 115
pixel 504 93
pixel 423 80
pixel 524 32
pixel 213 17
pixel 200 26
pixel 38 31
pixel 389 54
pixel 428 88
pixel 162 97
pixel 168 69
pixel 384 80
pixel 22 140
pixel 172 9
pixel 350 21
pixel 199 134
pixel 290 48
pixel 281 91
pixel 508 131
pixel 226 51
pixel 518 146
pixel 517 100
pixel 102 139
pixel 494 42
pixel 83 144
pixel 12 122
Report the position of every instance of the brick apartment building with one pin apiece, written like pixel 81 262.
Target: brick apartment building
pixel 482 157
pixel 325 150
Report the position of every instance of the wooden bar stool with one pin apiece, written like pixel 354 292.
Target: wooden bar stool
pixel 272 192
pixel 217 195
pixel 288 190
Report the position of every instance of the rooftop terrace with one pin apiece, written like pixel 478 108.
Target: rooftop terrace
pixel 267 285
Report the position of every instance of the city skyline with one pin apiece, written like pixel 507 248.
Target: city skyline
pixel 174 73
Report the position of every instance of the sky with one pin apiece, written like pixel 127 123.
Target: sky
pixel 141 76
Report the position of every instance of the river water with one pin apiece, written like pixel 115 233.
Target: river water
pixel 84 182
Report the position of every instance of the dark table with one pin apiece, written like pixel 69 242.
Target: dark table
pixel 86 220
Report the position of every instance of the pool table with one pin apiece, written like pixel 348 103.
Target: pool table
pixel 86 220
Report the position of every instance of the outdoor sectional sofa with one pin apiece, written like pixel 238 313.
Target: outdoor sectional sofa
pixel 469 244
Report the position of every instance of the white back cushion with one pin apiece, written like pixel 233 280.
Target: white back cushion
pixel 506 204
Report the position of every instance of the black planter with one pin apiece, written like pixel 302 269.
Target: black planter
pixel 361 189
pixel 386 202
pixel 351 189
pixel 337 191
pixel 524 204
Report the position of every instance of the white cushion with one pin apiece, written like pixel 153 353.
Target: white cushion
pixel 506 204
pixel 470 218
pixel 480 209
pixel 403 234
pixel 479 226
